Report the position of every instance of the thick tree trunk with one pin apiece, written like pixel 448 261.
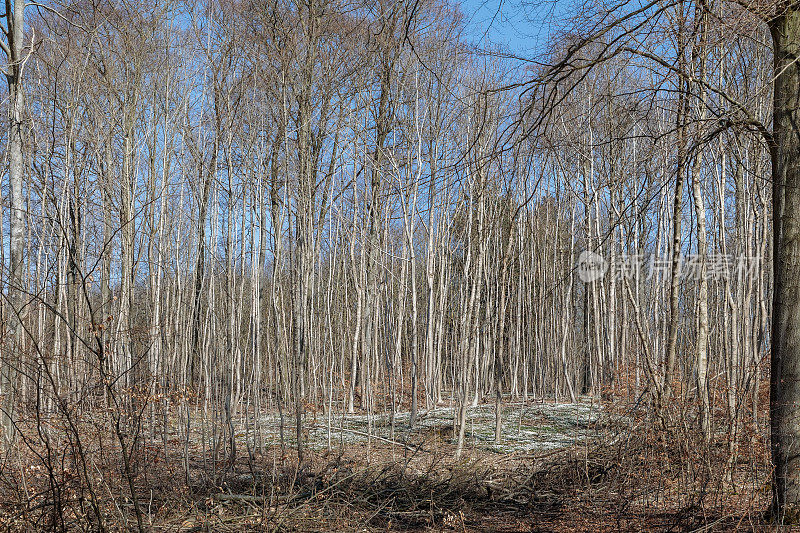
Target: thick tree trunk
pixel 675 251
pixel 785 363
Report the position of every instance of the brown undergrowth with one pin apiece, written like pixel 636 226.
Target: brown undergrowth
pixel 635 476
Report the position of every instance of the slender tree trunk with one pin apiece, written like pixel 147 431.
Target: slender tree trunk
pixel 16 172
pixel 702 242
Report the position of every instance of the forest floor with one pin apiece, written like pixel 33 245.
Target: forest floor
pixel 558 467
pixel 535 427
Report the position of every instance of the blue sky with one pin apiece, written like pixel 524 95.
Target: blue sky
pixel 521 27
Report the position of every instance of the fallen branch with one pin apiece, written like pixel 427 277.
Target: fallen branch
pixel 370 436
pixel 247 498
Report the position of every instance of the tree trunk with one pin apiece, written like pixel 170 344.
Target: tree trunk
pixel 675 252
pixel 16 167
pixel 785 362
pixel 702 244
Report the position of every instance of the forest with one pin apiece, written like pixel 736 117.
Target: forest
pixel 339 265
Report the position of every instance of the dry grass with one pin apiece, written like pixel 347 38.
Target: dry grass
pixel 631 477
